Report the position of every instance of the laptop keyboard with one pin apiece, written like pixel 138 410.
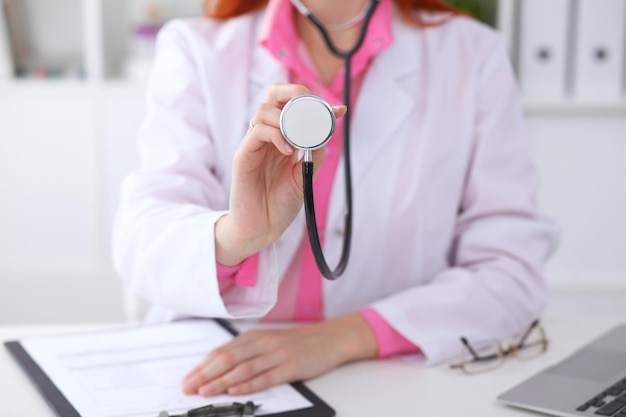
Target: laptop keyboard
pixel 610 402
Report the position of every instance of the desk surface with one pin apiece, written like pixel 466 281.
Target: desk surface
pixel 396 386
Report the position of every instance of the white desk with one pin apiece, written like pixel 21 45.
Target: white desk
pixel 374 388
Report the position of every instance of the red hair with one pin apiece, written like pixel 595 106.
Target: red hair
pixel 224 9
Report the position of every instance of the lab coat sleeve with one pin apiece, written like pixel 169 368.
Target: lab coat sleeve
pixel 163 239
pixel 494 286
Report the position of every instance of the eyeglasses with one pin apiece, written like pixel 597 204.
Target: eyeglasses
pixel 488 356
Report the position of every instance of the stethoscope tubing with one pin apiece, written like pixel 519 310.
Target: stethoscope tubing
pixel 307 165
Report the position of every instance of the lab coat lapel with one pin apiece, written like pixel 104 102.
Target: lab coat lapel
pixel 384 103
pixel 382 106
pixel 265 71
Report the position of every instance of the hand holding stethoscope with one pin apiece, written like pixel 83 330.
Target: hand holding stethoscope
pixel 267 183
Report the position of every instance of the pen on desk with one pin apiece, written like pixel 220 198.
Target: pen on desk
pixel 232 409
pixel 248 409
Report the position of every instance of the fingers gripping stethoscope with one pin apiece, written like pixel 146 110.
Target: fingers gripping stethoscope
pixel 307 122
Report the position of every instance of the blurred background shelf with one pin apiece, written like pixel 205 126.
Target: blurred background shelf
pixel 34 86
pixel 576 107
pixel 92 40
pixel 101 41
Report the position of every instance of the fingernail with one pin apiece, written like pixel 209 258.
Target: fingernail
pixel 338 106
pixel 234 390
pixel 288 148
pixel 189 388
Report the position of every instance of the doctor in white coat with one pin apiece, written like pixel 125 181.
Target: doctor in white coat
pixel 447 240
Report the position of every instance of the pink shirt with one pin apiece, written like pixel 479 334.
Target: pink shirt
pixel 300 294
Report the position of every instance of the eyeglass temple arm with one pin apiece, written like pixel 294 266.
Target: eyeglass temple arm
pixel 469 348
pixel 530 329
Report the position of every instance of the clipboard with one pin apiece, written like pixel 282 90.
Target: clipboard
pixel 63 408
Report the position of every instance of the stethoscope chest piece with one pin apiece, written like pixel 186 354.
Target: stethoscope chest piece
pixel 307 122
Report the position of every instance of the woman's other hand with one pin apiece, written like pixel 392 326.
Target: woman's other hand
pixel 266 191
pixel 259 359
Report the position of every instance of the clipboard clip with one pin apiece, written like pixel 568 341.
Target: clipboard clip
pixel 232 409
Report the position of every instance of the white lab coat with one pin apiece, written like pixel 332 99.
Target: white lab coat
pixel 447 240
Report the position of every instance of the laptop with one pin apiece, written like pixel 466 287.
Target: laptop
pixel 591 382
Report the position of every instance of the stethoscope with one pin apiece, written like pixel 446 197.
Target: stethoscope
pixel 307 122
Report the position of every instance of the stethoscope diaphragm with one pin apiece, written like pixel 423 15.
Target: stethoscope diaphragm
pixel 307 122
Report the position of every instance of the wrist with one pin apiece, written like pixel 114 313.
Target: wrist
pixel 356 339
pixel 231 247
